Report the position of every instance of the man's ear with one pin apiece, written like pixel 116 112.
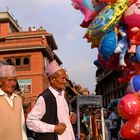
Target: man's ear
pixel 52 79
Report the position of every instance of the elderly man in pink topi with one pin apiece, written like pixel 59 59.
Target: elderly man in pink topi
pixel 50 117
pixel 11 111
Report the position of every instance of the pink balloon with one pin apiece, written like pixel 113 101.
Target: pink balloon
pixel 129 106
pixel 131 129
pixel 85 6
pixel 132 15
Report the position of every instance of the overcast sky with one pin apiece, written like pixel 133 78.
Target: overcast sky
pixel 63 21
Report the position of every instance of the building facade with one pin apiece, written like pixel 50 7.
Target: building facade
pixel 108 85
pixel 29 51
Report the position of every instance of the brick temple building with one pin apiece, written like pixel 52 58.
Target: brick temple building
pixel 29 51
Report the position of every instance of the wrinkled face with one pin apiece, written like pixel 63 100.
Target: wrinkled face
pixel 8 85
pixel 58 80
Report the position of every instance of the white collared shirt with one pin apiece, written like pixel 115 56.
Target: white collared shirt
pixel 34 117
pixel 10 101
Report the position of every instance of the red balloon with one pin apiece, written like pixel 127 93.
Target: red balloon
pixel 131 128
pixel 137 137
pixel 129 106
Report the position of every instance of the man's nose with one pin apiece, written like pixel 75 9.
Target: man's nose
pixel 13 83
pixel 65 81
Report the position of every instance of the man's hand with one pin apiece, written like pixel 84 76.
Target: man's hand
pixel 73 117
pixel 60 128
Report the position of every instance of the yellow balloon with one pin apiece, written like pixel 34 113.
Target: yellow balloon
pixel 106 20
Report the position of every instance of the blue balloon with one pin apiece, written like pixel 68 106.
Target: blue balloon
pixel 108 45
pixel 134 84
pixel 96 62
pixel 138 53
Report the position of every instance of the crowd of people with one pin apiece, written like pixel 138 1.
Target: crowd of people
pixel 112 124
pixel 50 117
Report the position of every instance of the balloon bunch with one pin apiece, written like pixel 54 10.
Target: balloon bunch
pixel 129 110
pixel 113 27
